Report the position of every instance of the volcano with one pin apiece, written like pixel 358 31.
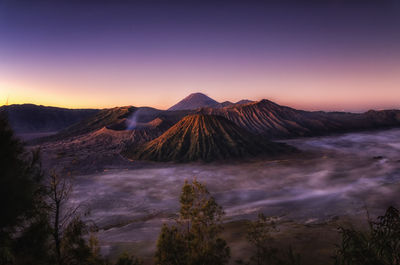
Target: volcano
pixel 207 138
pixel 279 122
pixel 194 101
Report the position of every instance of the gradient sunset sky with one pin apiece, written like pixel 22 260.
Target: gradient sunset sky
pixel 339 55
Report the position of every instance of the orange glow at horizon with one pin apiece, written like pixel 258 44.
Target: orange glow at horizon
pixel 317 84
pixel 302 92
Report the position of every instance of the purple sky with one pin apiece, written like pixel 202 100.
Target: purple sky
pixel 330 56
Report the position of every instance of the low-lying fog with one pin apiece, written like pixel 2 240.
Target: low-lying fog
pixel 335 176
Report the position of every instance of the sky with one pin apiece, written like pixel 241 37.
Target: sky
pixel 313 55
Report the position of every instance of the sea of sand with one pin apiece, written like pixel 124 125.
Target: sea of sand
pixel 334 178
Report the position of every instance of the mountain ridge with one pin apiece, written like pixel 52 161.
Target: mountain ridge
pixel 31 118
pixel 267 118
pixel 263 117
pixel 206 138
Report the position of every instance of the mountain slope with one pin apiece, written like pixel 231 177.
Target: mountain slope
pixel 276 121
pixel 207 138
pixel 244 101
pixel 105 117
pixel 231 104
pixel 194 101
pixel 267 118
pixel 30 118
pixel 118 118
pixel 99 149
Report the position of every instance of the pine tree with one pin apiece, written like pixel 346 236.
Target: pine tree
pixel 67 227
pixel 259 235
pixel 20 188
pixel 35 218
pixel 195 238
pixel 126 259
pixel 171 247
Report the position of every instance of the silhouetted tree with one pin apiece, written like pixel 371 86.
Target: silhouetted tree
pixel 34 246
pixel 380 245
pixel 68 229
pixel 36 224
pixel 59 191
pixel 171 247
pixel 194 240
pixel 75 249
pixel 20 190
pixel 259 235
pixel 126 259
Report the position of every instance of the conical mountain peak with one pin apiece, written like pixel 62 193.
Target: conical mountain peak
pixel 206 138
pixel 194 101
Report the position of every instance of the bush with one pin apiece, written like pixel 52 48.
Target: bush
pixel 194 240
pixel 380 245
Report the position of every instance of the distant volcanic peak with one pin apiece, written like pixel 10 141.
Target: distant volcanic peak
pixel 206 138
pixel 196 95
pixel 226 104
pixel 263 104
pixel 194 101
pixel 265 101
pixel 246 104
pixel 244 101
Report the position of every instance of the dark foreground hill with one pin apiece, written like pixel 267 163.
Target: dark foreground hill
pixel 206 138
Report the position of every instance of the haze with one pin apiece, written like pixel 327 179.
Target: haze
pixel 347 174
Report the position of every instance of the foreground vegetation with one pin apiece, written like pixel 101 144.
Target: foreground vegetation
pixel 39 225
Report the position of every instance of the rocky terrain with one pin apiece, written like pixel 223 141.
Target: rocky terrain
pixel 275 121
pixel 99 149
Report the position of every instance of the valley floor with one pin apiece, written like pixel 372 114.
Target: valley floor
pixel 332 182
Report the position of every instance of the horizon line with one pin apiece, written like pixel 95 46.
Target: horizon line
pixel 311 109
